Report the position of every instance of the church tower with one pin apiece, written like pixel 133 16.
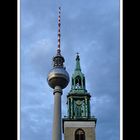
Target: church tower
pixel 78 124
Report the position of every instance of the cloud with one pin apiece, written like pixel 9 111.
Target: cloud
pixel 90 28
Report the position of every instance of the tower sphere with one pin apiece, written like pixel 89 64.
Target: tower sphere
pixel 58 77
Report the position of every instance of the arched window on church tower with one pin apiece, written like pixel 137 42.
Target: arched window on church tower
pixel 78 82
pixel 79 134
pixel 84 82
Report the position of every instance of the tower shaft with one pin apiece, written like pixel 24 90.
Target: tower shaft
pixel 56 135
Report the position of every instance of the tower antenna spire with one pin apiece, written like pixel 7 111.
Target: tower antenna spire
pixel 59 34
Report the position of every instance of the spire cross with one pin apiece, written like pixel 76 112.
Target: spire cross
pixel 78 62
pixel 77 57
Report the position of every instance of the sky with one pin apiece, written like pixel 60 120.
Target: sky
pixel 88 27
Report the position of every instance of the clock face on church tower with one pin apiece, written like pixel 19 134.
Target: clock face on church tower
pixel 79 108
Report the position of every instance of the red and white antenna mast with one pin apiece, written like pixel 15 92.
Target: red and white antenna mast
pixel 59 34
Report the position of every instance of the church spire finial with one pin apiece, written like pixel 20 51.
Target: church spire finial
pixel 59 24
pixel 78 62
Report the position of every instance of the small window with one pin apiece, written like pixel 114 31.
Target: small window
pixel 72 81
pixel 78 82
pixel 79 134
pixel 84 82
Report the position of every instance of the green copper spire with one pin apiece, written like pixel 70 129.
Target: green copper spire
pixel 78 79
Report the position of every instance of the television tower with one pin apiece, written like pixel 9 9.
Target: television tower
pixel 58 79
